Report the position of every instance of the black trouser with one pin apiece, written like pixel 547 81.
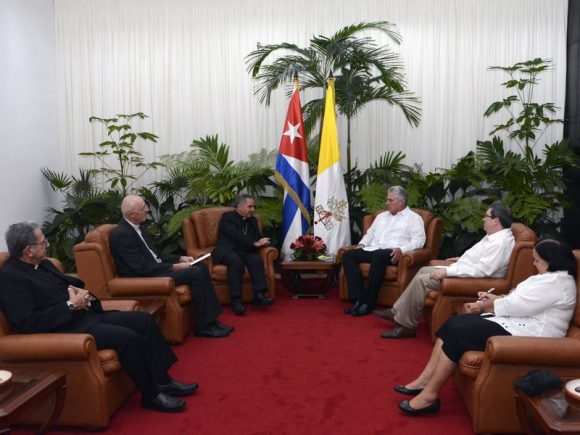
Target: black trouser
pixel 206 305
pixel 237 262
pixel 144 354
pixel 379 260
pixel 467 332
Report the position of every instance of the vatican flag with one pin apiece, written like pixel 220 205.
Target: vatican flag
pixel 331 219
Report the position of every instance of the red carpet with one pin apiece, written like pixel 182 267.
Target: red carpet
pixel 299 367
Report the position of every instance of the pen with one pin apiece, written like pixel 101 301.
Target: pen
pixel 491 290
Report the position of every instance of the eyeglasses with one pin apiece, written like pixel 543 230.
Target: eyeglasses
pixel 488 216
pixel 44 243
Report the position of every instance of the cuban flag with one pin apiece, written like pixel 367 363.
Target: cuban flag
pixel 292 174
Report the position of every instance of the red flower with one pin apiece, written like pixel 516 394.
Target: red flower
pixel 308 247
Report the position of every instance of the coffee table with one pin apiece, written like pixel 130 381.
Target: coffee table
pixel 551 412
pixel 29 388
pixel 293 276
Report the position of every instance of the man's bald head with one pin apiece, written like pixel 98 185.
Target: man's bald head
pixel 134 209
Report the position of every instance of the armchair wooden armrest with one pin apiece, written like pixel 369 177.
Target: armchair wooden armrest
pixel 441 262
pixel 120 305
pixel 456 290
pixel 46 347
pixel 418 256
pixel 536 351
pixel 136 288
pixel 469 287
pixel 268 254
pixel 342 250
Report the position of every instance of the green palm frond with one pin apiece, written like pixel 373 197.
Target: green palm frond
pixel 58 180
pixel 364 71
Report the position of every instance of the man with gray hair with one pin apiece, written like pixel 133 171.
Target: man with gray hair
pixel 37 298
pixel 135 255
pixel 488 257
pixel 239 239
pixel 393 232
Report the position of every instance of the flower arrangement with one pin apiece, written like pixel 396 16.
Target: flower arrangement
pixel 308 248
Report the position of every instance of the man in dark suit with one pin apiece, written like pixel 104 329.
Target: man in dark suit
pixel 239 239
pixel 135 255
pixel 37 298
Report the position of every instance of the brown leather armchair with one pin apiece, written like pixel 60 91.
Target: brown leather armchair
pixel 397 277
pixel 485 379
pixel 454 291
pixel 96 384
pixel 96 267
pixel 200 232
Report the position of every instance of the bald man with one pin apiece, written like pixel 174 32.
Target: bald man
pixel 136 256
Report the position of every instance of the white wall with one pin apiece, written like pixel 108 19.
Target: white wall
pixel 182 63
pixel 28 127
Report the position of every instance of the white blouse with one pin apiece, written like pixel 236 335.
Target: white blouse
pixel 540 306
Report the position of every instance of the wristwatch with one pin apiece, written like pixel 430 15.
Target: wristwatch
pixel 70 305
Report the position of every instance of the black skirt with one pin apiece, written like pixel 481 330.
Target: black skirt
pixel 467 332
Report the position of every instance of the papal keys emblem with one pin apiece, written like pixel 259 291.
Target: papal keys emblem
pixel 336 211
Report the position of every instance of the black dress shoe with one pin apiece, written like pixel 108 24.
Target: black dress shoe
pixel 238 307
pixel 399 332
pixel 163 403
pixel 387 314
pixel 407 391
pixel 352 308
pixel 362 310
pixel 260 300
pixel 211 331
pixel 430 409
pixel 177 389
pixel 222 326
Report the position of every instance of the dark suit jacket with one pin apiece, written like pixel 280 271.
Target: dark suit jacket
pixel 132 258
pixel 232 238
pixel 34 299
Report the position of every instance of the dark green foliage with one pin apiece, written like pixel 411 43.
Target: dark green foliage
pixel 531 185
pixel 94 197
pixel 211 178
pixel 364 72
pixel 85 205
pixel 118 157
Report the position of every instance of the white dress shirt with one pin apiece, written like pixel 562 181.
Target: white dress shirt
pixel 404 230
pixel 138 230
pixel 488 257
pixel 540 306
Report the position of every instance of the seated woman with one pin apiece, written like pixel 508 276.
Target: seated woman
pixel 540 306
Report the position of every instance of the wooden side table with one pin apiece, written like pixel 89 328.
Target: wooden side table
pixel 292 273
pixel 551 413
pixel 30 387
